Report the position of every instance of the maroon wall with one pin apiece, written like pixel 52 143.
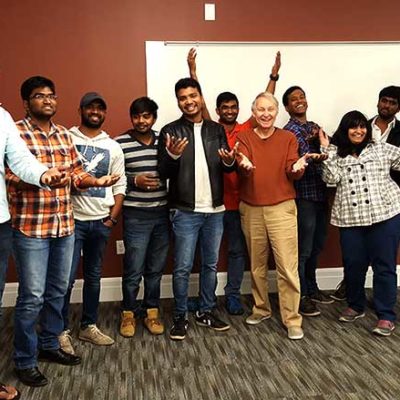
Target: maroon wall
pixel 100 45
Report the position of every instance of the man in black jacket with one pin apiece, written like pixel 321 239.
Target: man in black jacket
pixel 193 154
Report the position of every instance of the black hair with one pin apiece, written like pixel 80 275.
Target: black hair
pixel 390 91
pixel 143 104
pixel 224 97
pixel 33 83
pixel 340 138
pixel 288 92
pixel 185 83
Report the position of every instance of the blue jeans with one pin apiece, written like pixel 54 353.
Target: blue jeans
pixel 91 239
pixel 237 253
pixel 43 267
pixel 5 250
pixel 312 220
pixel 376 245
pixel 189 227
pixel 146 243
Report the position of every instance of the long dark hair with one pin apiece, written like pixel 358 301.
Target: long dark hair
pixel 340 138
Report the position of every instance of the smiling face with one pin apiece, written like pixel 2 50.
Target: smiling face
pixel 297 104
pixel 190 103
pixel 228 112
pixel 93 115
pixel 42 103
pixel 265 112
pixel 357 134
pixel 143 122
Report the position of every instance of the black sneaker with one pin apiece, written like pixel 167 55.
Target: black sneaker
pixel 340 292
pixel 321 297
pixel 179 328
pixel 209 320
pixel 308 308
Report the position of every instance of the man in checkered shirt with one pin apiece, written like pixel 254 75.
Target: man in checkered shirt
pixel 43 233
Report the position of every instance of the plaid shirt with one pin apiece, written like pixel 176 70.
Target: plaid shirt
pixel 310 186
pixel 365 192
pixel 43 213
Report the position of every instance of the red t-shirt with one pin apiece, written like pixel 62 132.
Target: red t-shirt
pixel 231 180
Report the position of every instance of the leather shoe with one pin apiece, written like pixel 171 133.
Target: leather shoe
pixel 31 377
pixel 59 356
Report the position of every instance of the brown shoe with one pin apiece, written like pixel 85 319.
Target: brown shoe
pixel 128 324
pixel 66 342
pixel 153 322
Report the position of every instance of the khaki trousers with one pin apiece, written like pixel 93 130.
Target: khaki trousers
pixel 275 226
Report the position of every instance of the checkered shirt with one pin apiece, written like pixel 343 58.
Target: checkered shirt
pixel 365 193
pixel 38 212
pixel 310 186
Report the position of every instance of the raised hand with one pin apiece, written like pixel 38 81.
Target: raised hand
pixel 174 145
pixel 323 138
pixel 277 65
pixel 191 60
pixel 147 181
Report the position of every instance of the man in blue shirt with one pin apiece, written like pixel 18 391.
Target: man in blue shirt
pixel 14 152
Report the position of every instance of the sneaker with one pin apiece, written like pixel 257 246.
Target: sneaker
pixel 350 315
pixel 255 319
pixel 321 297
pixel 295 333
pixel 384 328
pixel 308 307
pixel 153 322
pixel 179 328
pixel 340 292
pixel 209 320
pixel 128 324
pixel 65 340
pixel 93 334
pixel 234 306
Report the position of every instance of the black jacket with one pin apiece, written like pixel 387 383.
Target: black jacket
pixel 394 139
pixel 180 172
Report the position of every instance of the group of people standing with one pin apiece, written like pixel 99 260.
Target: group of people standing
pixel 265 186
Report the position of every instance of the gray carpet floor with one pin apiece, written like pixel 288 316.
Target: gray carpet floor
pixel 334 361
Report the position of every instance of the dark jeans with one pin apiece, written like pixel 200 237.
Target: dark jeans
pixel 376 244
pixel 91 240
pixel 44 267
pixel 312 219
pixel 146 241
pixel 237 253
pixel 5 250
pixel 189 227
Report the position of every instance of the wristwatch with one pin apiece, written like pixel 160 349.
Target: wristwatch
pixel 110 218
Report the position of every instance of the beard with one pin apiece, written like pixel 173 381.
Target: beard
pixel 90 124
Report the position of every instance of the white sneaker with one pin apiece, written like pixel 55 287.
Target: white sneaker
pixel 94 335
pixel 65 340
pixel 295 333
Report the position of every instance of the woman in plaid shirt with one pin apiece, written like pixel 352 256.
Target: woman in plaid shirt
pixel 367 211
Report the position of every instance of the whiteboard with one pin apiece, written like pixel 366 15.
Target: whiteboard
pixel 337 77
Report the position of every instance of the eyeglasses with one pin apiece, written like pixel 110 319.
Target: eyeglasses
pixel 42 96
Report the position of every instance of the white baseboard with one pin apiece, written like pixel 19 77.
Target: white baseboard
pixel 328 278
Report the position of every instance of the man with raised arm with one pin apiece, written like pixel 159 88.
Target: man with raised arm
pixel 311 201
pixel 227 108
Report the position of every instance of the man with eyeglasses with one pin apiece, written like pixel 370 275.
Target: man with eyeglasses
pixel 15 154
pixel 43 233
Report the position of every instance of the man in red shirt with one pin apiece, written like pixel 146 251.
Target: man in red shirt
pixel 227 108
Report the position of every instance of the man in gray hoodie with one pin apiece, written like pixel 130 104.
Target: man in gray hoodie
pixel 95 213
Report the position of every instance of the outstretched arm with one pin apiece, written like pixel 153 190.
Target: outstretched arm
pixel 274 76
pixel 191 60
